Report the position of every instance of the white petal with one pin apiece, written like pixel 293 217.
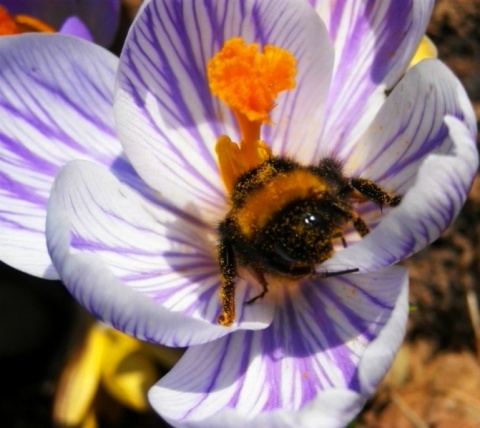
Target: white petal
pixel 429 206
pixel 374 43
pixel 422 145
pixel 55 105
pixel 135 263
pixel 167 119
pixel 322 351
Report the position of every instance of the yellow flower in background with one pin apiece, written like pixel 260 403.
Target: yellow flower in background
pixel 106 358
pixel 426 49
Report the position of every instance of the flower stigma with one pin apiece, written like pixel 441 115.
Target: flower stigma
pixel 19 24
pixel 247 81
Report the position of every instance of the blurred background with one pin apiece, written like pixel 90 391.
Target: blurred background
pixel 48 343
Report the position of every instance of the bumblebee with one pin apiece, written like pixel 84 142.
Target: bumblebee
pixel 284 220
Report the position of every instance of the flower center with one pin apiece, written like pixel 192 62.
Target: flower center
pixel 19 24
pixel 247 81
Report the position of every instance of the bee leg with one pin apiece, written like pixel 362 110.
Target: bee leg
pixel 226 260
pixel 359 225
pixel 328 274
pixel 374 192
pixel 342 238
pixel 263 283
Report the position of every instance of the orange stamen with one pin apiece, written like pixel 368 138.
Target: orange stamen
pixel 248 81
pixel 29 24
pixel 7 23
pixel 19 24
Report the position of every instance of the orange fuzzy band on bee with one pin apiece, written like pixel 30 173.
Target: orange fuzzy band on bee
pixel 273 195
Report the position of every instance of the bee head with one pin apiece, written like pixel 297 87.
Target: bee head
pixel 305 229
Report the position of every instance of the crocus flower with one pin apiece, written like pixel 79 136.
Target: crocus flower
pixel 89 19
pixel 141 254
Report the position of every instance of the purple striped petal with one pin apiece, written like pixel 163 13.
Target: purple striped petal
pixel 133 263
pixel 167 119
pixel 55 106
pixel 329 339
pixel 100 17
pixel 422 145
pixel 374 43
